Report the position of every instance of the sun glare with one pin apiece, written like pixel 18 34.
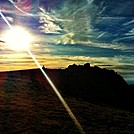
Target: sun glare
pixel 17 38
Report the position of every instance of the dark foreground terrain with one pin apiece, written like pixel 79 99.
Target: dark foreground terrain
pixel 28 105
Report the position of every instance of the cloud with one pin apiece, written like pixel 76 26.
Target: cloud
pixel 128 23
pixel 131 32
pixel 121 9
pixel 88 21
pixel 128 68
pixel 10 19
pixel 76 17
pixel 1 41
pixel 48 23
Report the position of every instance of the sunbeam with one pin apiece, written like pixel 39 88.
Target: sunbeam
pixel 81 130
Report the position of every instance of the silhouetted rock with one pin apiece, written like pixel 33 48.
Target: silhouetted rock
pixel 91 83
pixel 87 65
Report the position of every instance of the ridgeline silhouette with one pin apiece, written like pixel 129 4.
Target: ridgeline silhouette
pixel 29 105
pixel 93 84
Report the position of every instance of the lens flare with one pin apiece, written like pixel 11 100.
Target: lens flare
pixel 81 130
pixel 17 38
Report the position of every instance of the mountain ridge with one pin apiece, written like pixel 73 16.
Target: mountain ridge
pixel 29 105
pixel 89 83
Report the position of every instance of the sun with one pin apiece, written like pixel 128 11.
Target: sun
pixel 18 38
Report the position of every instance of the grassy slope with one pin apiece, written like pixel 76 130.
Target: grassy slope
pixel 28 105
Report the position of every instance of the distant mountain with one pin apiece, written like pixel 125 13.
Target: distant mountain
pixel 88 80
pixel 93 84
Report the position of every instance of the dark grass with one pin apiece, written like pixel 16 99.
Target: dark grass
pixel 28 105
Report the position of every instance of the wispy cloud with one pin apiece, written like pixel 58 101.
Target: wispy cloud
pixel 131 32
pixel 48 23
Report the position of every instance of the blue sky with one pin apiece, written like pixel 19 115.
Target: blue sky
pixel 72 31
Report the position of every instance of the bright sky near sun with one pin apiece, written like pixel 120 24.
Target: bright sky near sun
pixel 63 32
pixel 17 38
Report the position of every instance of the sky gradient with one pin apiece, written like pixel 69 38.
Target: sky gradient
pixel 72 31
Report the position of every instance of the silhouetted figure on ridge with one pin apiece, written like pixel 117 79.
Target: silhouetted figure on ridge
pixel 43 67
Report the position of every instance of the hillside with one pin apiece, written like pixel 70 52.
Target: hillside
pixel 28 105
pixel 93 84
